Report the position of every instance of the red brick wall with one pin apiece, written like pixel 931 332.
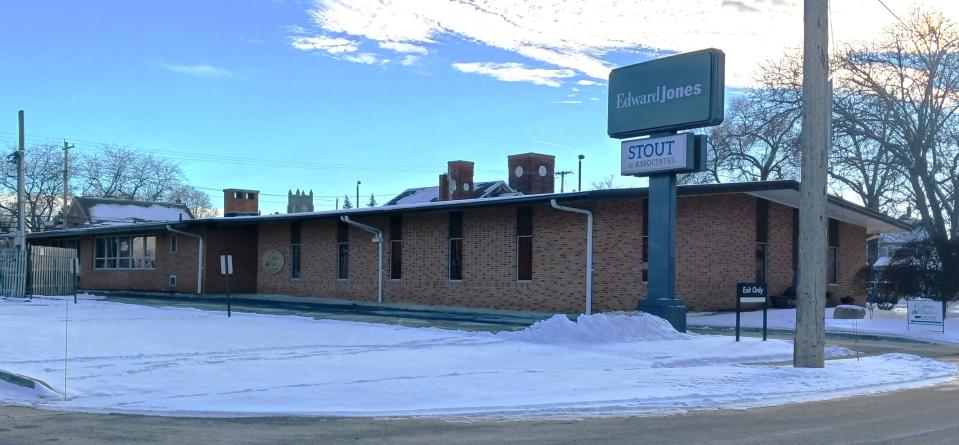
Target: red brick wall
pixel 715 244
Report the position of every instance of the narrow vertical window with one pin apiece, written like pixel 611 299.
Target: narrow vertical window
pixel 833 253
pixel 524 243
pixel 396 247
pixel 456 245
pixel 342 250
pixel 645 240
pixel 295 248
pixel 762 238
pixel 173 243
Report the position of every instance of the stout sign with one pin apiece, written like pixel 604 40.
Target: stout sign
pixel 673 153
pixel 669 94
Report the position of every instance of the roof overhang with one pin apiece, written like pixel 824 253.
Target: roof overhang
pixel 839 209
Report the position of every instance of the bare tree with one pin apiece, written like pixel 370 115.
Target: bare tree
pixel 197 201
pixel 603 184
pixel 913 76
pixel 121 172
pixel 758 140
pixel 43 165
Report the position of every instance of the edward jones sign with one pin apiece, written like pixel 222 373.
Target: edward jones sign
pixel 673 153
pixel 668 94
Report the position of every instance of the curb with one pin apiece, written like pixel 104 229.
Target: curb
pixel 24 381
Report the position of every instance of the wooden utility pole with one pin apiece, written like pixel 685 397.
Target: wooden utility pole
pixel 20 240
pixel 809 345
pixel 562 179
pixel 66 181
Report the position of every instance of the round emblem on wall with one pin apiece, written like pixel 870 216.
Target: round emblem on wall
pixel 466 186
pixel 452 185
pixel 272 261
pixel 519 171
pixel 542 170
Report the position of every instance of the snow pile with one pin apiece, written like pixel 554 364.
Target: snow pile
pixel 598 328
pixel 154 212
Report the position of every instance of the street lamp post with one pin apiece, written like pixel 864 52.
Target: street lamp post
pixel 579 176
pixel 357 194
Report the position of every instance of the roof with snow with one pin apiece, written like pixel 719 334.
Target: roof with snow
pixel 92 211
pixel 432 194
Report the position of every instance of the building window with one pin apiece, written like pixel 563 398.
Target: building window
pixel 832 270
pixel 249 196
pixel 524 243
pixel 342 250
pixel 237 195
pixel 456 245
pixel 125 252
pixel 396 247
pixel 762 238
pixel 645 241
pixel 173 243
pixel 295 250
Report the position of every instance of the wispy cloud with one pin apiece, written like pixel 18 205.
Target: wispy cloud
pixel 516 72
pixel 208 71
pixel 581 35
pixel 406 48
pixel 569 102
pixel 332 45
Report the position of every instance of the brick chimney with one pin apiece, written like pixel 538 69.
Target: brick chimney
pixel 444 187
pixel 531 173
pixel 460 179
pixel 239 202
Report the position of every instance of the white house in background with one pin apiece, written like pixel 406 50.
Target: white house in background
pixel 88 211
pixel 882 247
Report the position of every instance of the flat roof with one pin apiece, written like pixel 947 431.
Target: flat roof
pixel 782 192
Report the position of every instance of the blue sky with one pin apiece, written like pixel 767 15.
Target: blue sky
pixel 334 92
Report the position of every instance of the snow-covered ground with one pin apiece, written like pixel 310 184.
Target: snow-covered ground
pixel 130 358
pixel 892 322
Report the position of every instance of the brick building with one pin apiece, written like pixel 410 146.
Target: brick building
pixel 510 251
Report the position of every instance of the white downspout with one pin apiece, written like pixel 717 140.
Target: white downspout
pixel 378 239
pixel 589 250
pixel 199 257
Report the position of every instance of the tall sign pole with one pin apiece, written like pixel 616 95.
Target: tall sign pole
pixel 655 100
pixel 20 239
pixel 809 344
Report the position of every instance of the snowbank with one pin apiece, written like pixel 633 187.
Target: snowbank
pixel 598 328
pixel 180 361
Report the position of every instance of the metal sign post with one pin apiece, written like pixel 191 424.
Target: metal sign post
pixel 226 269
pixel 751 293
pixel 656 99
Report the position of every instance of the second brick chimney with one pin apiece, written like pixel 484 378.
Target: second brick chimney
pixel 460 180
pixel 531 173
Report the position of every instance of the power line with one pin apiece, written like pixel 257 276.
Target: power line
pixel 893 13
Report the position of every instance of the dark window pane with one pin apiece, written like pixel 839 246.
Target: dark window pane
pixel 295 233
pixel 396 260
pixel 396 228
pixel 342 232
pixel 833 233
pixel 295 261
pixel 524 221
pixel 111 264
pixel 645 217
pixel 101 248
pixel 833 266
pixel 99 264
pixel 173 242
pixel 762 220
pixel 645 275
pixel 124 263
pixel 645 249
pixel 456 259
pixel 761 262
pixel 112 248
pixel 456 225
pixel 524 250
pixel 343 261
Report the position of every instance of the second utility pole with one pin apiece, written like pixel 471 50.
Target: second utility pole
pixel 20 240
pixel 66 181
